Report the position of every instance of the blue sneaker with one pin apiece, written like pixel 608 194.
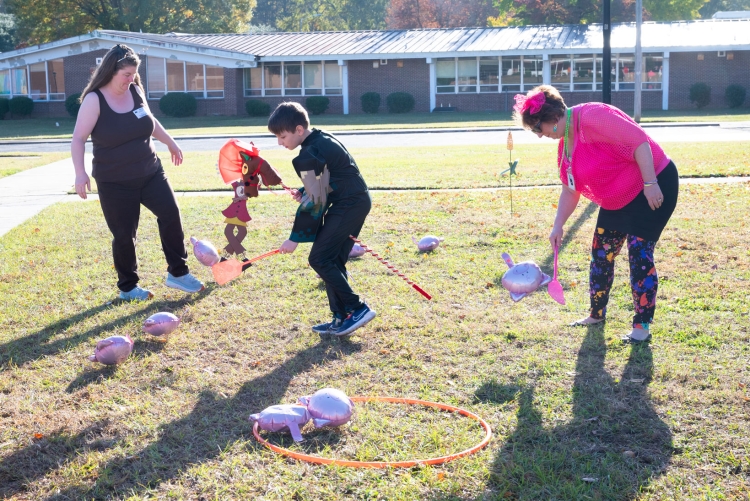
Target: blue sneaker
pixel 327 326
pixel 187 283
pixel 353 321
pixel 136 294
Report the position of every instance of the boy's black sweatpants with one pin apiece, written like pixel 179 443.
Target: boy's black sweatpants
pixel 331 248
pixel 121 204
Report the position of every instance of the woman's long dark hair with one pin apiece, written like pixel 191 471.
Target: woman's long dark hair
pixel 120 56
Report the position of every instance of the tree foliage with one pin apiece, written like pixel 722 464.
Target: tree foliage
pixel 713 6
pixel 322 15
pixel 8 38
pixel 409 14
pixel 521 12
pixel 44 21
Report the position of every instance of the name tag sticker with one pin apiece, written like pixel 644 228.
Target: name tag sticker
pixel 141 112
pixel 571 181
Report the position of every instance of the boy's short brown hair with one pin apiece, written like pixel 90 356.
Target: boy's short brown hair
pixel 287 116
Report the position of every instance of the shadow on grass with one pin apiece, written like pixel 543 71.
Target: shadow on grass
pixel 23 350
pixel 213 426
pixel 612 448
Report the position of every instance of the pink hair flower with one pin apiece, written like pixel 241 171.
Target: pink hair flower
pixel 532 102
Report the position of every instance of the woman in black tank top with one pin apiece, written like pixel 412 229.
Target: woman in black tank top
pixel 128 173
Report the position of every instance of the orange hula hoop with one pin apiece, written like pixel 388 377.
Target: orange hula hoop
pixel 389 464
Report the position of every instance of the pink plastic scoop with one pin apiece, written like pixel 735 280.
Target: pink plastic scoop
pixel 554 288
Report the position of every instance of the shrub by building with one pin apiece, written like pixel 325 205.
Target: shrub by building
pixel 700 94
pixel 400 102
pixel 317 105
pixel 735 96
pixel 178 104
pixel 4 107
pixel 370 102
pixel 257 108
pixel 21 106
pixel 72 104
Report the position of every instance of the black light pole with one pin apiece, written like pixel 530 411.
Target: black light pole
pixel 606 56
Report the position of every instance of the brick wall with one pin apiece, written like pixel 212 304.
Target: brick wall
pixel 718 72
pixel 413 77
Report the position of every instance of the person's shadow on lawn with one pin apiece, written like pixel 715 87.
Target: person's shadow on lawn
pixel 214 424
pixel 614 445
pixel 36 345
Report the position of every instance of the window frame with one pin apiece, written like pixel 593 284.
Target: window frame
pixel 263 91
pixel 203 95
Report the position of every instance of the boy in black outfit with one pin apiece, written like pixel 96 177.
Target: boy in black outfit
pixel 334 203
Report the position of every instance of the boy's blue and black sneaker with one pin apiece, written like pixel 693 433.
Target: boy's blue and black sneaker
pixel 353 321
pixel 324 328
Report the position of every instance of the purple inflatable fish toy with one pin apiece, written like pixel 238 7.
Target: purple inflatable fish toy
pixel 160 324
pixel 357 251
pixel 290 417
pixel 113 350
pixel 428 243
pixel 523 278
pixel 328 407
pixel 205 252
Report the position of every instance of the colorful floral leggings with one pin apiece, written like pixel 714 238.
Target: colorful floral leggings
pixel 643 279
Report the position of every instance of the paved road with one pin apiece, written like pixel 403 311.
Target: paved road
pixel 725 132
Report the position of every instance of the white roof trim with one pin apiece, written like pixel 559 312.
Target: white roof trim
pixel 97 40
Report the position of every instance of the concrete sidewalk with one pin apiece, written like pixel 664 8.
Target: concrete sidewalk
pixel 24 195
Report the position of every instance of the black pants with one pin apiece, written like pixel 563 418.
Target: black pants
pixel 121 204
pixel 331 248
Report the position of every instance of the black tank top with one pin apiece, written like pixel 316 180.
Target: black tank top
pixel 122 141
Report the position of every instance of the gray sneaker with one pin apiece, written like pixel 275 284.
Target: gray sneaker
pixel 136 294
pixel 187 283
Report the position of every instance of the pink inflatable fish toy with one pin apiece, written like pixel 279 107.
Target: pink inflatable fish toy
pixel 205 252
pixel 113 350
pixel 290 417
pixel 328 407
pixel 523 278
pixel 357 251
pixel 428 243
pixel 160 324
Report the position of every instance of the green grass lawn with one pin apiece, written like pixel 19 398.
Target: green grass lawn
pixel 12 163
pixel 575 414
pixel 45 128
pixel 476 166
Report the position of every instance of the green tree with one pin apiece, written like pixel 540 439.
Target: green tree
pixel 8 38
pixel 522 12
pixel 50 20
pixel 332 15
pixel 713 6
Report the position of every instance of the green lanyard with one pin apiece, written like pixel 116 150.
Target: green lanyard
pixel 565 138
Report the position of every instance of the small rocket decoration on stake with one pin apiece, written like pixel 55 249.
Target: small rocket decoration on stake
pixel 512 164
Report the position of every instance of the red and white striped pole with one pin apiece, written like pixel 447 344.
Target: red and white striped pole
pixel 391 267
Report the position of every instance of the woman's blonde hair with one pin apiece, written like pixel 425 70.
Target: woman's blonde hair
pixel 118 57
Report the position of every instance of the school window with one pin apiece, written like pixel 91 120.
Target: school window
pixel 651 71
pixel 39 81
pixel 467 74
pixel 489 74
pixel 583 72
pixel 560 76
pixel 166 75
pixel 533 71
pixel 445 75
pixel 510 74
pixel 312 78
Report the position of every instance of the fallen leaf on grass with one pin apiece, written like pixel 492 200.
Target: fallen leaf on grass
pixel 590 479
pixel 742 385
pixel 489 285
pixel 441 476
pixel 38 436
pixel 715 267
pixel 384 352
pixel 679 253
pixel 36 230
pixel 629 454
pixel 462 317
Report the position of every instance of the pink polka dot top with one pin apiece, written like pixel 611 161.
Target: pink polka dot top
pixel 603 161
